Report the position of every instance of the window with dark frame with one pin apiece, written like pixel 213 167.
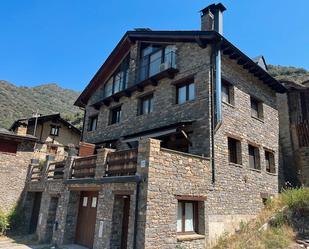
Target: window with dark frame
pixel 92 123
pixel 254 162
pixel 187 217
pixel 115 115
pixel 185 92
pixel 227 92
pixel 234 150
pixel 256 108
pixel 146 104
pixel 270 162
pixel 54 130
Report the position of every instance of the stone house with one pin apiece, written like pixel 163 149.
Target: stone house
pixel 15 154
pixel 186 129
pixel 55 134
pixel 294 132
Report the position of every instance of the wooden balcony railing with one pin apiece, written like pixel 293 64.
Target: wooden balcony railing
pixel 303 134
pixel 121 163
pixel 55 170
pixel 84 167
pixel 36 173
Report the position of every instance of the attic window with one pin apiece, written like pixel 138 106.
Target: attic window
pixel 54 130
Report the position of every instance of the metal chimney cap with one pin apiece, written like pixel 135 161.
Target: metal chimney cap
pixel 213 7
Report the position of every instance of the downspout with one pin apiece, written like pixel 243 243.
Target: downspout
pixel 136 211
pixel 212 113
pixel 84 121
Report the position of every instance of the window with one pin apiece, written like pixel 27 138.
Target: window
pixel 254 157
pixel 54 130
pixel 187 217
pixel 234 150
pixel 270 162
pixel 227 92
pixel 115 115
pixel 119 80
pixel 92 123
pixel 146 104
pixel 155 59
pixel 256 108
pixel 185 92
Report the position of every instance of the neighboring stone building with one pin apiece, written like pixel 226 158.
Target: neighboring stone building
pixel 186 129
pixel 15 154
pixel 55 134
pixel 294 132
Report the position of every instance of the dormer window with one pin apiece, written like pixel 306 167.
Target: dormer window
pixel 155 59
pixel 119 80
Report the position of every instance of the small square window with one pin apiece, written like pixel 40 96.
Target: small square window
pixel 187 217
pixel 270 162
pixel 234 150
pixel 54 130
pixel 256 108
pixel 254 157
pixel 115 115
pixel 185 92
pixel 146 104
pixel 92 123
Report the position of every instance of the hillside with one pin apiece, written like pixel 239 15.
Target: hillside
pixel 283 223
pixel 298 75
pixel 19 102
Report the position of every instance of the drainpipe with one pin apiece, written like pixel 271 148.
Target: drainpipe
pixel 136 213
pixel 83 128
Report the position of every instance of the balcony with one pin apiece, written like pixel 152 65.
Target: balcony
pixel 136 80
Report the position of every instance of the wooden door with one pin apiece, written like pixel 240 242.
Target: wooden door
pixel 86 218
pixel 35 212
pixel 125 222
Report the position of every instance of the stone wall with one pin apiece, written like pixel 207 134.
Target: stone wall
pixel 191 60
pixel 170 174
pixel 238 188
pixel 13 171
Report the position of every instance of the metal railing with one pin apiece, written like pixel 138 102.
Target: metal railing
pixel 132 77
pixel 121 163
pixel 84 167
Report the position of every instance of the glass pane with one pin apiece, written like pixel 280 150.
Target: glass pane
pixel 225 93
pixel 108 91
pixel 181 95
pixel 254 108
pixel 85 201
pixel 94 202
pixel 189 217
pixel 170 55
pixel 191 91
pixel 154 63
pixel 179 217
pixel 117 83
pixel 151 104
pixel 94 124
pixel 145 106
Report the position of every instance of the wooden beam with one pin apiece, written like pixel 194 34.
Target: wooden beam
pixel 241 62
pixel 234 56
pixel 200 42
pixel 140 88
pixel 153 81
pixel 227 51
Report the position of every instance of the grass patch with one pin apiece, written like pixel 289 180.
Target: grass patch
pixel 4 223
pixel 279 234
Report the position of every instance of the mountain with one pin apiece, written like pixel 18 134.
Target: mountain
pixel 295 74
pixel 21 102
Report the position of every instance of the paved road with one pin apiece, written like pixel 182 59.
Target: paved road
pixel 28 243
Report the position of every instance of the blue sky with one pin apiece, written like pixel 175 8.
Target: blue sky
pixel 66 41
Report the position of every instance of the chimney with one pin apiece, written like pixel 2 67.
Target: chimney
pixel 212 18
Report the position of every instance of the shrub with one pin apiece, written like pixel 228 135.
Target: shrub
pixel 296 198
pixel 16 218
pixel 4 223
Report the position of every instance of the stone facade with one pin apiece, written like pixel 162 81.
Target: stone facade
pixel 13 171
pixel 294 133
